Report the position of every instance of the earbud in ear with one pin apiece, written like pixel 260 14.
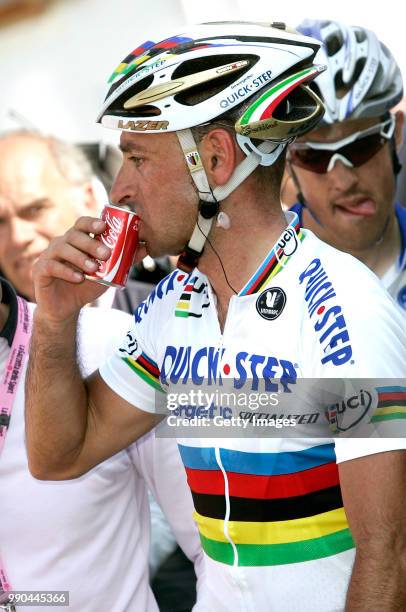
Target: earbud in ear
pixel 223 221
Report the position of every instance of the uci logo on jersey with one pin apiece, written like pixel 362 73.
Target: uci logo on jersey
pixel 346 414
pixel 288 242
pixel 330 322
pixel 185 364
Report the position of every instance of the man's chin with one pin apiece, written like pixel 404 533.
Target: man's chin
pixel 356 241
pixel 155 252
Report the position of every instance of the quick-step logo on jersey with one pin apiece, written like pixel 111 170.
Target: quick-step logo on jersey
pixel 185 364
pixel 165 286
pixel 330 322
pixel 171 283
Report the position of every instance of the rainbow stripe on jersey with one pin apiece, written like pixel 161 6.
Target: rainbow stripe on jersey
pixel 272 264
pixel 183 305
pixel 391 404
pixel 146 368
pixel 263 509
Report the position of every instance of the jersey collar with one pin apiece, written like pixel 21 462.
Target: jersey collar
pixel 10 298
pixel 278 257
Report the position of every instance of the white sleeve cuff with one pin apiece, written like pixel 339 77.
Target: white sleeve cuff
pixel 353 448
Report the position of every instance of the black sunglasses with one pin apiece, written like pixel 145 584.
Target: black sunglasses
pixel 354 150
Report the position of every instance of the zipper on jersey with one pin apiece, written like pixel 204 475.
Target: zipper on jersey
pixel 217 452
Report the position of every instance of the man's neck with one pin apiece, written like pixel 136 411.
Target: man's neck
pixel 4 313
pixel 232 256
pixel 385 253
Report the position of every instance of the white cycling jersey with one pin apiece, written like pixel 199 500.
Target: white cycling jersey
pixel 269 510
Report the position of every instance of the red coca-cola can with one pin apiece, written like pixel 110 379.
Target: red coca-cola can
pixel 121 236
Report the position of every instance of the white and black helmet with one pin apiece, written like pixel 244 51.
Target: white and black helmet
pixel 196 76
pixel 362 79
pixel 257 74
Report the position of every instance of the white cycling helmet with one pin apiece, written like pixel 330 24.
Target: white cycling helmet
pixel 257 74
pixel 362 79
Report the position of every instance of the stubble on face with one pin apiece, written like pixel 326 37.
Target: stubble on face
pixel 350 208
pixel 160 189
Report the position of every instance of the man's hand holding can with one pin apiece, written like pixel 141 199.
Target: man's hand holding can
pixel 96 249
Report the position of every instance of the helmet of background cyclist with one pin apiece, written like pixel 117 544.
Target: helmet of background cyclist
pixel 362 77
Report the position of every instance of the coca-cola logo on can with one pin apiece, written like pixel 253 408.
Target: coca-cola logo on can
pixel 121 237
pixel 114 228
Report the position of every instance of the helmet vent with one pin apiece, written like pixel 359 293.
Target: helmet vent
pixel 141 85
pixel 148 110
pixel 386 51
pixel 379 77
pixel 334 43
pixel 314 87
pixel 204 91
pixel 194 66
pixel 360 35
pixel 296 106
pixel 340 86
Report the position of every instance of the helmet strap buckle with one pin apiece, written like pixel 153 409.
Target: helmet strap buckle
pixel 268 151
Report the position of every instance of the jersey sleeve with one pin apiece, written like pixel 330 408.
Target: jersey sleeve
pixel 132 371
pixel 347 449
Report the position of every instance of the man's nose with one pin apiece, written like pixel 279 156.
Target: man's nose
pixel 341 175
pixel 123 188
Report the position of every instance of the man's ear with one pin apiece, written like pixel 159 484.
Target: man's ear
pixel 400 121
pixel 218 150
